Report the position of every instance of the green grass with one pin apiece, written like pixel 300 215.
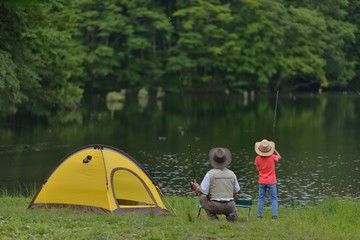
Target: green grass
pixel 332 219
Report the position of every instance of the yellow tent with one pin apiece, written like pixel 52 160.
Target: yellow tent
pixel 100 178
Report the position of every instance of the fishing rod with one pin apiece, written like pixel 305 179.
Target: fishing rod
pixel 275 111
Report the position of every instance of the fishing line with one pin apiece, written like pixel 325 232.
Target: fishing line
pixel 275 111
pixel 188 136
pixel 186 119
pixel 274 124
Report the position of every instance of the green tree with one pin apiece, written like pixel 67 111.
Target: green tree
pixel 126 42
pixel 261 27
pixel 204 44
pixel 339 59
pixel 353 51
pixel 304 48
pixel 339 63
pixel 39 54
pixel 292 46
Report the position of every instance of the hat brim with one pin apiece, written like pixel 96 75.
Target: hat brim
pixel 265 154
pixel 218 165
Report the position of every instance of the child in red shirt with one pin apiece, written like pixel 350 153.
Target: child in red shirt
pixel 265 164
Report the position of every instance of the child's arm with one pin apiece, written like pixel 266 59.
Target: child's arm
pixel 277 153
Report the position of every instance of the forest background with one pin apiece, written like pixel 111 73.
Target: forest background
pixel 52 52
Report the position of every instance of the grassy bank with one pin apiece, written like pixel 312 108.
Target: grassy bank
pixel 332 219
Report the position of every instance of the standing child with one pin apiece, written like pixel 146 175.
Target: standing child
pixel 265 164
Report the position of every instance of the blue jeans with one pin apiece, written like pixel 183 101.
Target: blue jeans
pixel 262 193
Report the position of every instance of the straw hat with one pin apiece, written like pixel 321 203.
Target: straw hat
pixel 219 157
pixel 265 148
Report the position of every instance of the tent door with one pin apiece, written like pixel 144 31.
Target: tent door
pixel 129 189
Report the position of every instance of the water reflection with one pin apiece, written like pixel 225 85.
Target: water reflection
pixel 316 135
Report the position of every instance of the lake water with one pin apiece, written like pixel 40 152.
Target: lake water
pixel 316 134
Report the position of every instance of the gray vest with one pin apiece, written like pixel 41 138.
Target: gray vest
pixel 222 183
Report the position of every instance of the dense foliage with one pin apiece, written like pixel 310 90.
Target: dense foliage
pixel 51 51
